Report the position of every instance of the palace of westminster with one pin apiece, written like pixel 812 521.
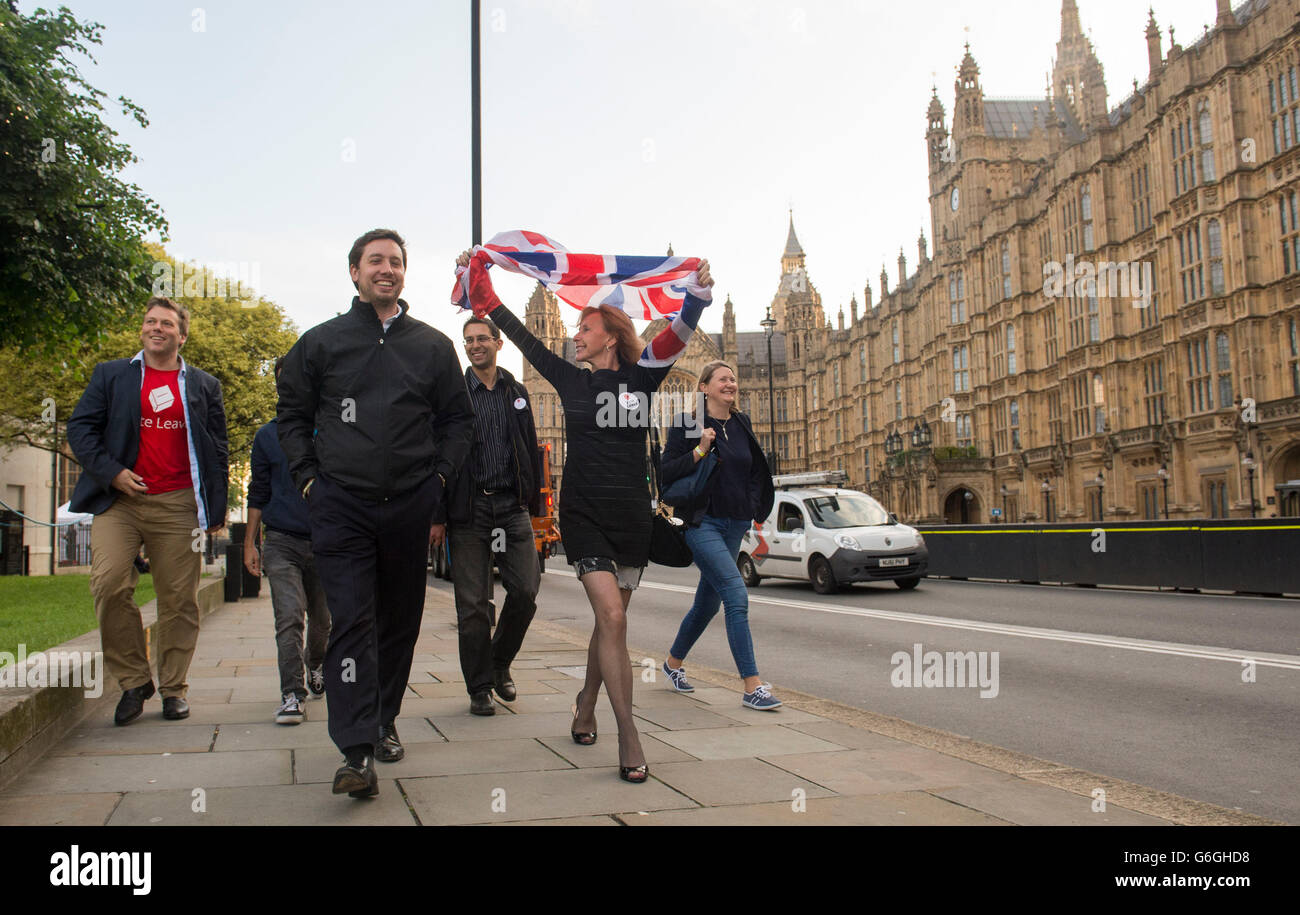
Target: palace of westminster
pixel 975 390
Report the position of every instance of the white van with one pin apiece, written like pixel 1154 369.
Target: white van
pixel 831 537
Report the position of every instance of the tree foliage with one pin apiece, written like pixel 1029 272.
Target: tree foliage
pixel 234 339
pixel 70 228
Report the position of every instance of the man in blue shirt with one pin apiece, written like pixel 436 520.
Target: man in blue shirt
pixel 274 500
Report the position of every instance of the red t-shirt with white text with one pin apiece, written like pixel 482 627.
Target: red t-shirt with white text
pixel 164 460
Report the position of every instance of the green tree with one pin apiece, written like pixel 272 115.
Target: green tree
pixel 234 339
pixel 70 228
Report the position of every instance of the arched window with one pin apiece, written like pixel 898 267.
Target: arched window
pixel 1085 211
pixel 1215 238
pixel 1006 270
pixel 1206 130
pixel 1011 349
pixel 1223 367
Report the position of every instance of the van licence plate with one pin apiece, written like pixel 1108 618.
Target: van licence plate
pixel 900 561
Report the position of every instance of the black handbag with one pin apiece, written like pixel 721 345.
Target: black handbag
pixel 667 534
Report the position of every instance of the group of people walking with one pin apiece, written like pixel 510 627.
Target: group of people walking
pixel 380 448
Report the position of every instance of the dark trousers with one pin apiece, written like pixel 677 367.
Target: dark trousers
pixel 372 561
pixel 498 530
pixel 295 593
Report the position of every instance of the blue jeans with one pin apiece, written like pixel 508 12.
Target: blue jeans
pixel 715 544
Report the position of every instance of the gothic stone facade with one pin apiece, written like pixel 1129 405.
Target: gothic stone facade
pixel 1063 403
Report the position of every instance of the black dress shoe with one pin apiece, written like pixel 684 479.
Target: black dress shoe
pixel 131 705
pixel 389 748
pixel 175 708
pixel 481 703
pixel 504 685
pixel 359 780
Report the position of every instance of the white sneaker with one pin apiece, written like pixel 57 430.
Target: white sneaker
pixel 290 711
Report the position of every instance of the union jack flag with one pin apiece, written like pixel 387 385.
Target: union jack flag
pixel 643 287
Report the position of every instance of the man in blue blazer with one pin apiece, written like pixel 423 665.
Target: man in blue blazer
pixel 150 433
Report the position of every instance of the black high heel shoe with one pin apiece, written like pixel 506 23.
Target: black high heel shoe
pixel 637 775
pixel 581 738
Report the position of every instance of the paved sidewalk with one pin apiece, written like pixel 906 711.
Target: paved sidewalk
pixel 711 760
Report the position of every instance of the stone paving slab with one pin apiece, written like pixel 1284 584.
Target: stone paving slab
pixel 882 771
pixel 57 809
pixel 88 774
pixel 465 799
pixel 498 727
pixel 735 742
pixel 565 821
pixel 682 719
pixel 914 808
pixel 847 735
pixel 466 757
pixel 719 782
pixel 604 752
pixel 285 805
pixel 103 737
pixel 1028 804
pixel 272 736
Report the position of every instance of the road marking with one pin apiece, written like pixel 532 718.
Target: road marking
pixel 1200 652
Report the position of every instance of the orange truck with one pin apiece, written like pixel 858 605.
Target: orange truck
pixel 546 534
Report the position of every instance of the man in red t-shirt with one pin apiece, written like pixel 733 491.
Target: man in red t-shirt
pixel 150 433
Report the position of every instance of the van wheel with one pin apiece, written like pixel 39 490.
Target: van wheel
pixel 823 579
pixel 907 584
pixel 748 573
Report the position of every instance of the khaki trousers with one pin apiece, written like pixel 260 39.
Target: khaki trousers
pixel 168 526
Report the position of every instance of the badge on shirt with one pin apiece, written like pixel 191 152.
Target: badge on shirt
pixel 161 398
pixel 629 400
pixel 520 403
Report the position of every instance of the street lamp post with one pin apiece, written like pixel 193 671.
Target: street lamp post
pixel 1005 491
pixel 1163 473
pixel 769 325
pixel 1101 496
pixel 1047 501
pixel 1249 463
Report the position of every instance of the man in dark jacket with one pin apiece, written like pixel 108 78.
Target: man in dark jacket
pixel 150 433
pixel 490 506
pixel 374 419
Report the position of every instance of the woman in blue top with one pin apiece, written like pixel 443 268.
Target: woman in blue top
pixel 739 490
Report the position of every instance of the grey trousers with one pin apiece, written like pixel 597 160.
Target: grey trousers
pixel 295 593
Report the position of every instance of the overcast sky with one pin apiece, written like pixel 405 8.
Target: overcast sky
pixel 279 131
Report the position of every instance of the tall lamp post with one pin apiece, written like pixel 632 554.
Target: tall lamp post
pixel 1005 491
pixel 1249 463
pixel 769 325
pixel 1101 496
pixel 1163 473
pixel 1047 500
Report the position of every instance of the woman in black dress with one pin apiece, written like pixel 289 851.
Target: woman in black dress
pixel 604 512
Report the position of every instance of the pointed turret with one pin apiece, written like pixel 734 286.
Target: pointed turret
pixel 902 269
pixel 853 309
pixel 936 134
pixel 920 248
pixel 1078 77
pixel 729 330
pixel 968 114
pixel 1154 60
pixel 793 256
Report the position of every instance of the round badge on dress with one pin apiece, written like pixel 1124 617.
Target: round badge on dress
pixel 628 400
pixel 520 403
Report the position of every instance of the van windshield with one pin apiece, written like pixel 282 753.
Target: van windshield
pixel 845 511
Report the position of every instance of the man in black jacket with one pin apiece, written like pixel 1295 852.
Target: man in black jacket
pixel 373 419
pixel 490 506
pixel 150 433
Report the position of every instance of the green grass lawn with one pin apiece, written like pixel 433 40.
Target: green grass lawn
pixel 43 611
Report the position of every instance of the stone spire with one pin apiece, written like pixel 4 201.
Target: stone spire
pixel 968 114
pixel 1154 60
pixel 1078 77
pixel 793 256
